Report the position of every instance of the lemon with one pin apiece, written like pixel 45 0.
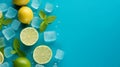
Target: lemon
pixel 42 54
pixel 25 15
pixel 1 14
pixel 29 36
pixel 20 2
pixel 1 58
pixel 21 62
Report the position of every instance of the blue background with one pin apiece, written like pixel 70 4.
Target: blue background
pixel 89 32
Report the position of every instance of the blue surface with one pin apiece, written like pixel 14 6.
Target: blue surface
pixel 89 32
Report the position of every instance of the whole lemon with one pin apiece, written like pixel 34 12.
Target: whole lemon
pixel 25 15
pixel 21 62
pixel 20 2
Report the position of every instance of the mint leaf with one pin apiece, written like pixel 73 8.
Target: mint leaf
pixel 20 53
pixel 0 26
pixel 42 15
pixel 13 52
pixel 50 19
pixel 16 46
pixel 2 50
pixel 43 26
pixel 7 21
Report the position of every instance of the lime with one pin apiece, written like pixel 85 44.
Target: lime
pixel 42 54
pixel 20 2
pixel 1 58
pixel 25 15
pixel 21 62
pixel 1 14
pixel 29 36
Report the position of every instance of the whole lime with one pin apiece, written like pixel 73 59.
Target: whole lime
pixel 21 62
pixel 25 15
pixel 21 2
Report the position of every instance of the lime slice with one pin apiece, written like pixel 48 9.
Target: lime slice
pixel 29 36
pixel 42 54
pixel 1 58
pixel 1 14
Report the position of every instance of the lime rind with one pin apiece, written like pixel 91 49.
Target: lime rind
pixel 1 58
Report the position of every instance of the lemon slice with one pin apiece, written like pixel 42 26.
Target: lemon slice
pixel 29 36
pixel 1 58
pixel 42 54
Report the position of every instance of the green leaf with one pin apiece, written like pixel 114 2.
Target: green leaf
pixel 42 15
pixel 50 19
pixel 13 52
pixel 2 50
pixel 43 26
pixel 7 21
pixel 2 18
pixel 0 26
pixel 16 44
pixel 20 53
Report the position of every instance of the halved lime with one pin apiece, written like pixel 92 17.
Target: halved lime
pixel 29 36
pixel 1 58
pixel 42 54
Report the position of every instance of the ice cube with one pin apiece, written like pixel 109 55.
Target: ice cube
pixel 5 64
pixel 49 36
pixel 7 52
pixel 38 65
pixel 55 65
pixel 15 24
pixel 3 7
pixel 48 7
pixel 36 22
pixel 59 54
pixel 8 33
pixel 35 4
pixel 2 42
pixel 11 13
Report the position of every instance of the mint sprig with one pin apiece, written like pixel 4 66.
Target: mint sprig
pixel 16 47
pixel 42 15
pixel 4 21
pixel 46 20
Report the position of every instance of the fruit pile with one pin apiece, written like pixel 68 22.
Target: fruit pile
pixel 28 36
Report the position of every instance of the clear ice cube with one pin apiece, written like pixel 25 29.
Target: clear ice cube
pixel 7 52
pixel 8 33
pixel 5 64
pixel 48 7
pixel 59 54
pixel 55 65
pixel 35 4
pixel 11 13
pixel 49 36
pixel 38 65
pixel 2 42
pixel 36 22
pixel 15 24
pixel 3 7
